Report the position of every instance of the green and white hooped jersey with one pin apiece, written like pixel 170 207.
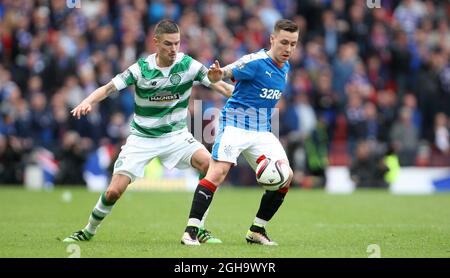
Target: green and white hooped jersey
pixel 162 94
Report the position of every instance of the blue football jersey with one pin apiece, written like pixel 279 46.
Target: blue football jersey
pixel 260 83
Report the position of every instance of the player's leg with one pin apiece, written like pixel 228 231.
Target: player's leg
pixel 267 145
pixel 102 208
pixel 129 165
pixel 186 152
pixel 270 203
pixel 228 145
pixel 203 196
pixel 200 161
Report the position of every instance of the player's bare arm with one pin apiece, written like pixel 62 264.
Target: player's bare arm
pixel 98 95
pixel 223 88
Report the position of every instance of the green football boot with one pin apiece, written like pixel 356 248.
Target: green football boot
pixel 81 235
pixel 205 236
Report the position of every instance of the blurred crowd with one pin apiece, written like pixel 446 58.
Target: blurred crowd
pixel 376 79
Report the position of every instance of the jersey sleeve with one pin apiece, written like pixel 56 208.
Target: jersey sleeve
pixel 126 78
pixel 244 68
pixel 201 73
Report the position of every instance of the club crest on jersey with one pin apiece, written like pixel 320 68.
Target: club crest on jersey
pixel 175 79
pixel 165 97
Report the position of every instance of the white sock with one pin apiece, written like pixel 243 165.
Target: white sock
pixel 100 211
pixel 202 222
pixel 260 222
pixel 194 222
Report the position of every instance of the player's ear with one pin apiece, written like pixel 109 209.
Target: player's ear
pixel 155 40
pixel 272 38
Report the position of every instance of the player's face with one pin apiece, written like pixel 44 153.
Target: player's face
pixel 167 46
pixel 283 45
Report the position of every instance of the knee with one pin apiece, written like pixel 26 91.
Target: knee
pixel 200 161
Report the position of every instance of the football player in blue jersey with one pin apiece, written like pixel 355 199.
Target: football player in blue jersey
pixel 245 127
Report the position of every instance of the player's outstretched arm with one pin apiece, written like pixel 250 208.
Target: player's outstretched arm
pixel 223 88
pixel 98 95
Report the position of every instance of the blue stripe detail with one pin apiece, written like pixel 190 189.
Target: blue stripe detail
pixel 215 149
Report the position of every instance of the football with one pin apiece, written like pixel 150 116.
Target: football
pixel 272 174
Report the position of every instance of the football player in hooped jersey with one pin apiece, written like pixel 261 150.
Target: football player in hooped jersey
pixel 163 83
pixel 245 127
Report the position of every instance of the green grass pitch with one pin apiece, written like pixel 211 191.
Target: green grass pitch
pixel 150 224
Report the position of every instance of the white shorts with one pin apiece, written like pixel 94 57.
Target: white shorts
pixel 174 152
pixel 233 141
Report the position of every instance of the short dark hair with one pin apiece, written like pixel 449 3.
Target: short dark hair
pixel 166 26
pixel 286 25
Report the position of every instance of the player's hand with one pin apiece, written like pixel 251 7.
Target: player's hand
pixel 81 110
pixel 215 73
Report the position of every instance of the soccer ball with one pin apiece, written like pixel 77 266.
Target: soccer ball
pixel 272 174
